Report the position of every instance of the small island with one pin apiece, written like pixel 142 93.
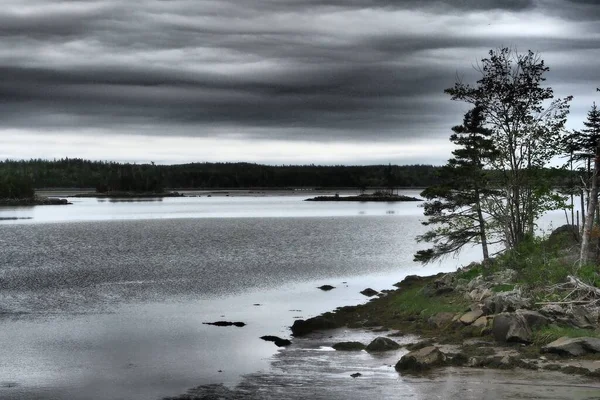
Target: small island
pixel 33 201
pixel 375 197
pixel 18 191
pixel 126 194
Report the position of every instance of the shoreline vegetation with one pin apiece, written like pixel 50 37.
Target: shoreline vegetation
pixel 376 197
pixel 495 315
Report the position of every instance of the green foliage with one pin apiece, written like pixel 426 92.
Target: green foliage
pixel 541 262
pixel 589 274
pixel 454 207
pixel 506 287
pixel 471 273
pixel 543 336
pixel 536 262
pixel 16 186
pixel 524 118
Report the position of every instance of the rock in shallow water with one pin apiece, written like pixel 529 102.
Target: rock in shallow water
pixel 279 342
pixel 421 360
pixel 326 288
pixel 349 346
pixel 382 344
pixel 369 292
pixel 303 327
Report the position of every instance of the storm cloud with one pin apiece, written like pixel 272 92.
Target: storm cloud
pixel 276 72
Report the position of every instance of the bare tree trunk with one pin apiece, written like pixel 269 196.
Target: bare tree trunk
pixel 591 210
pixel 582 212
pixel 483 237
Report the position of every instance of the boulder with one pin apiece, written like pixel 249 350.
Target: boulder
pixel 442 319
pixel 476 283
pixel 421 360
pixel 369 292
pixel 479 294
pixel 470 317
pixel 382 344
pixel 564 237
pixel 349 346
pixel 583 317
pixel 443 284
pixel 511 327
pixel 552 310
pixel 505 302
pixel 480 322
pixel 444 280
pixel 303 327
pixel 533 318
pixel 573 346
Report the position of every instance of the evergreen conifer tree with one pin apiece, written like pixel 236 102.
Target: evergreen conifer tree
pixel 456 206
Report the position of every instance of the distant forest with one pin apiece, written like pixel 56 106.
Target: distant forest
pixel 110 176
pixel 107 176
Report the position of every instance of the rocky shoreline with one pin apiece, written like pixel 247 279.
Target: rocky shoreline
pixel 472 321
pixel 467 333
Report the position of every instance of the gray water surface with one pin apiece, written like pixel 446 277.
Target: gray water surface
pixel 106 300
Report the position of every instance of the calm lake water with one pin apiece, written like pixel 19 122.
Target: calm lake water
pixel 107 299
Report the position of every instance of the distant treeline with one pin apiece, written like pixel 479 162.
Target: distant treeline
pixel 78 173
pixel 110 176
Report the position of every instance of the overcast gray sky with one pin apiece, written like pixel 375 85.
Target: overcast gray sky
pixel 271 81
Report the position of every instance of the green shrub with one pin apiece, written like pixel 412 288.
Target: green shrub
pixel 536 262
pixel 471 273
pixel 507 287
pixel 589 274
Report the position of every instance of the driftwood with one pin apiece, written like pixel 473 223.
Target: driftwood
pixel 574 292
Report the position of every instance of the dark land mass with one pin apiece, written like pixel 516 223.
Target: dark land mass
pixel 366 197
pixel 125 195
pixel 33 201
pixel 110 176
pixel 226 323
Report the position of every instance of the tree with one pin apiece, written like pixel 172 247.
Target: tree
pixel 455 206
pixel 588 142
pixel 511 94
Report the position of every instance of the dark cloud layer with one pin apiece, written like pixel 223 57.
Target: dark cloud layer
pixel 332 69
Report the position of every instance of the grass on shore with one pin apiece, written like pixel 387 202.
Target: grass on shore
pixel 548 334
pixel 413 301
